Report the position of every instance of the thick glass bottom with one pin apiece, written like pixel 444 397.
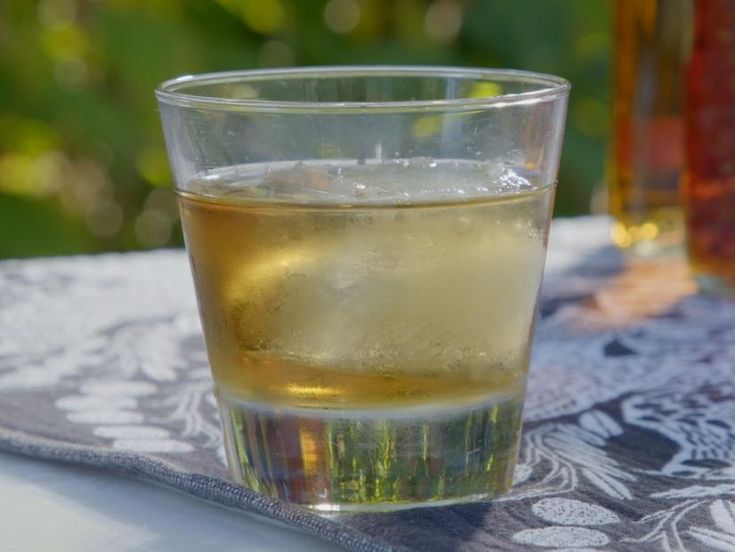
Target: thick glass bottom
pixel 651 234
pixel 362 460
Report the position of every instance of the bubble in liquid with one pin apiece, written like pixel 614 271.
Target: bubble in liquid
pixel 463 225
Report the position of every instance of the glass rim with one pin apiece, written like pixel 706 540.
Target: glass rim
pixel 173 91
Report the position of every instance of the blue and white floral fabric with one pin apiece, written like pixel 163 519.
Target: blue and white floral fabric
pixel 629 440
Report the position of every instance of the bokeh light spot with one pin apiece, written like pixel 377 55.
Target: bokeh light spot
pixel 485 90
pixel 163 202
pixel 152 229
pixel 104 219
pixel 443 20
pixel 342 16
pixel 152 165
pixel 57 13
pixel 66 42
pixel 31 175
pixel 426 126
pixel 27 135
pixel 275 53
pixel 72 73
pixel 262 16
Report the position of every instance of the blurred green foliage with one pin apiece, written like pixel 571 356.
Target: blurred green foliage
pixel 82 162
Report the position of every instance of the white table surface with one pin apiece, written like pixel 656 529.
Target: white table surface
pixel 48 506
pixel 54 507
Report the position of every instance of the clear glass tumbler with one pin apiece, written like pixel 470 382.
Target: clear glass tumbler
pixel 367 245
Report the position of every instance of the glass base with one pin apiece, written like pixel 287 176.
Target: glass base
pixel 367 460
pixel 654 249
pixel 651 234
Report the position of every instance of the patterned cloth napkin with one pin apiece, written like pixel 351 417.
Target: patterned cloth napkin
pixel 629 440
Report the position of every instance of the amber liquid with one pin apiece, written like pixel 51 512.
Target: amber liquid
pixel 361 345
pixel 648 127
pixel 710 177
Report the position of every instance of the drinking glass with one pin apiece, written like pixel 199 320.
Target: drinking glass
pixel 367 245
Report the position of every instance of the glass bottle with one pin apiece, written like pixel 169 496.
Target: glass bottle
pixel 709 182
pixel 650 56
